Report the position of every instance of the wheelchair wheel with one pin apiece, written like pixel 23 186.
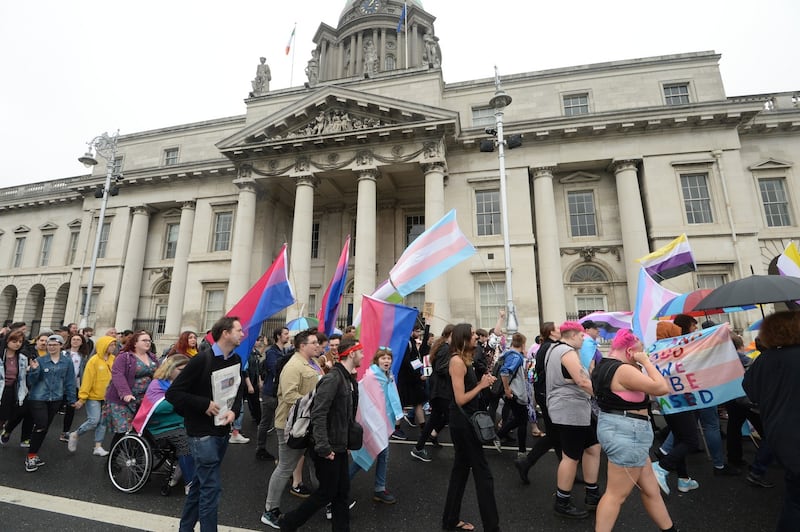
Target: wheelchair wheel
pixel 130 463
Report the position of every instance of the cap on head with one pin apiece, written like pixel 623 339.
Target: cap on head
pixel 589 324
pixel 56 338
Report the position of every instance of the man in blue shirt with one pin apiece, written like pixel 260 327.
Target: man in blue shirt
pixel 590 354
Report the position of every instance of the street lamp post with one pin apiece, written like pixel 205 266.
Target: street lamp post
pixel 105 146
pixel 499 102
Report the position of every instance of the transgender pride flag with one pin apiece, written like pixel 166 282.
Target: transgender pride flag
pixel 701 368
pixel 388 325
pixel 650 297
pixel 434 252
pixel 333 295
pixel 269 295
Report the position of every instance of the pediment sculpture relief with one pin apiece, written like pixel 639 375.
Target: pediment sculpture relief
pixel 333 121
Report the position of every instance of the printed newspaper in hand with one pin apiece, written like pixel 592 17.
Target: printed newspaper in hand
pixel 224 386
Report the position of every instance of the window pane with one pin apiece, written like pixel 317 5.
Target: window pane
pixel 487 203
pixel 104 232
pixel 776 205
pixel 576 104
pixel 171 240
pixel 171 156
pixel 588 304
pixel 415 226
pixel 582 220
pixel 677 94
pixel 73 247
pixel 19 250
pixel 492 299
pixel 588 274
pixel 483 116
pixel 215 302
pixel 315 240
pixel 223 226
pixel 696 199
pixel 47 241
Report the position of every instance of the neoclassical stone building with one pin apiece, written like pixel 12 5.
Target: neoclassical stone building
pixel 616 159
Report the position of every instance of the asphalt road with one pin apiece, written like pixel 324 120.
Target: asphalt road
pixel 721 503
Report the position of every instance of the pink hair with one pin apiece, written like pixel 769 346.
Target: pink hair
pixel 623 340
pixel 571 326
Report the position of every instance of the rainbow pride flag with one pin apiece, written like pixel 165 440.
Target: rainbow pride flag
pixel 702 369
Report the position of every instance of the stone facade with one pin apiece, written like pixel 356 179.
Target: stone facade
pixel 616 160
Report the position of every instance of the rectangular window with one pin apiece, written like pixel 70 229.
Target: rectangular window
pixel 492 299
pixel 170 156
pixel 483 116
pixel 104 232
pixel 487 207
pixel 92 303
pixel 223 226
pixel 711 280
pixel 315 240
pixel 676 94
pixel 415 226
pixel 588 304
pixel 44 257
pixel 696 199
pixel 312 305
pixel 19 250
pixel 171 240
pixel 214 307
pixel 117 167
pixel 582 221
pixel 72 252
pixel 576 104
pixel 776 206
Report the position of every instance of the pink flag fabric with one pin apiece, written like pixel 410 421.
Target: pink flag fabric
pixel 333 295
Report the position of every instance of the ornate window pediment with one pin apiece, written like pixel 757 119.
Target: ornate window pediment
pixel 74 224
pixel 22 229
pixel 49 226
pixel 770 164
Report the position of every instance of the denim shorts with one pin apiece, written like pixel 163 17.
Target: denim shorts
pixel 625 440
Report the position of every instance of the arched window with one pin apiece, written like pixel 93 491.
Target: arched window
pixel 390 63
pixel 588 273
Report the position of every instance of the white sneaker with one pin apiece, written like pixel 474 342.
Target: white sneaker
pixel 99 451
pixel 72 442
pixel 237 437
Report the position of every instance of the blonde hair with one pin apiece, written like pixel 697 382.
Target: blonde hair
pixel 164 371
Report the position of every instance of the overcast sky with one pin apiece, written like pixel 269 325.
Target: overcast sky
pixel 74 69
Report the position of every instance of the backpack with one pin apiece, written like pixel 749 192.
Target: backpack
pixel 298 427
pixel 276 378
pixel 497 389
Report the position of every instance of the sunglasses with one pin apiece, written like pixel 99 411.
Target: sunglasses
pixel 384 348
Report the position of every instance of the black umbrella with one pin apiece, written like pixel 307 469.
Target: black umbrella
pixel 753 290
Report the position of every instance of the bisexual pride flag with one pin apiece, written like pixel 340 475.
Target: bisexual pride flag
pixel 388 325
pixel 269 295
pixel 670 261
pixel 701 368
pixel 333 295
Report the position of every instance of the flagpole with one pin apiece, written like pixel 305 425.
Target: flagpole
pixel 291 43
pixel 405 22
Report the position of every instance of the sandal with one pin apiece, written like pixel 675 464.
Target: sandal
pixel 463 525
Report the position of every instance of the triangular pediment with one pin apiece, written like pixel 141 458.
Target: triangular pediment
pixel 579 177
pixel 75 224
pixel 48 226
pixel 770 164
pixel 22 229
pixel 337 116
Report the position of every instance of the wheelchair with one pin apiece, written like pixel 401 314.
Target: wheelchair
pixel 134 458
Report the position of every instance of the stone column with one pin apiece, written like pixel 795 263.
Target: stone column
pixel 364 281
pixel 131 285
pixel 300 250
pixel 413 47
pixel 180 266
pixel 436 290
pixel 242 241
pixel 358 55
pixel 351 66
pixel 548 247
pixel 631 219
pixel 323 61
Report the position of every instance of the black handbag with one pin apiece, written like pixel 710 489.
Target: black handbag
pixel 482 424
pixel 355 436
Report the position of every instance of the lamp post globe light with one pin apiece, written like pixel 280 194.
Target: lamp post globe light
pixel 106 147
pixel 499 102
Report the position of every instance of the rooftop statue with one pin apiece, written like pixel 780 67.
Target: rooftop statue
pixel 263 77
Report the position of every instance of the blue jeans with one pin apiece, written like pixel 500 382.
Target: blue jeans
pixel 93 409
pixel 709 420
pixel 203 498
pixel 381 465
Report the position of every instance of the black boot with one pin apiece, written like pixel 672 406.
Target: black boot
pixel 592 499
pixel 522 468
pixel 564 508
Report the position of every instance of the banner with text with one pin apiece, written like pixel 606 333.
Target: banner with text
pixel 701 368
